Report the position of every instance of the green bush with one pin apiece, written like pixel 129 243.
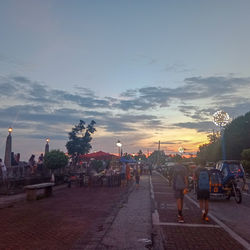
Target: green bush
pixel 55 159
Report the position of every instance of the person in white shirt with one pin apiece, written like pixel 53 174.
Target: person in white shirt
pixel 3 170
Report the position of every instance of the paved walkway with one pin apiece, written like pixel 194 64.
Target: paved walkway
pixel 110 219
pixel 194 233
pixel 132 226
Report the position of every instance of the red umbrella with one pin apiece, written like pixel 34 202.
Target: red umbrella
pixel 100 155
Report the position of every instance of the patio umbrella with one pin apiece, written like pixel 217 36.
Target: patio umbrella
pixel 127 160
pixel 100 155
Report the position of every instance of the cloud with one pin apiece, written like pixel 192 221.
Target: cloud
pixel 174 142
pixel 129 93
pixel 21 79
pixel 214 88
pixel 127 122
pixel 20 88
pixel 199 126
pixel 51 136
pixel 134 104
pixel 46 107
pixel 194 112
pixel 177 68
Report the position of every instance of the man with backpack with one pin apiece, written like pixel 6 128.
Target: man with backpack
pixel 180 184
pixel 202 177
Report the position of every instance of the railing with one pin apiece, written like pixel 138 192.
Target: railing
pixel 23 171
pixel 23 174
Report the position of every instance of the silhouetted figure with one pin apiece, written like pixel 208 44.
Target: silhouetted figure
pixel 13 160
pixel 32 163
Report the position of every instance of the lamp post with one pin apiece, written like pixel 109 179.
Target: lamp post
pixel 7 156
pixel 181 150
pixel 47 146
pixel 221 119
pixel 119 145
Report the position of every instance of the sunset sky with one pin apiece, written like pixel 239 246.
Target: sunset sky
pixel 143 70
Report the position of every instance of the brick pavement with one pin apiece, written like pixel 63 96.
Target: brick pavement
pixel 70 219
pixel 194 233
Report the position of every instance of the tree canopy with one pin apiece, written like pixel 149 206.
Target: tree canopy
pixel 236 138
pixel 55 159
pixel 80 138
pixel 140 156
pixel 246 159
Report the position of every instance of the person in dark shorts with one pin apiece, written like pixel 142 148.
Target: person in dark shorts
pixel 202 176
pixel 137 176
pixel 150 169
pixel 180 182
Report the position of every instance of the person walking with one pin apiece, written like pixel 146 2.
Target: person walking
pixel 137 175
pixel 108 174
pixel 180 184
pixel 32 163
pixel 128 176
pixel 150 169
pixel 202 176
pixel 123 174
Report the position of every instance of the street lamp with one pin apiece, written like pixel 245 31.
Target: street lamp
pixel 181 150
pixel 119 145
pixel 221 119
pixel 8 149
pixel 10 130
pixel 47 146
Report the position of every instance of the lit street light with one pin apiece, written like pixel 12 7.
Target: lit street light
pixel 221 119
pixel 181 150
pixel 10 130
pixel 119 145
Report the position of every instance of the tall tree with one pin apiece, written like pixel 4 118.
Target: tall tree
pixel 80 138
pixel 211 151
pixel 55 159
pixel 237 136
pixel 140 156
pixel 245 155
pixel 236 139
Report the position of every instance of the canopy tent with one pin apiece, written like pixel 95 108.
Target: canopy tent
pixel 127 160
pixel 100 155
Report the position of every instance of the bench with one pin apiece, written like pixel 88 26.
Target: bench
pixel 31 190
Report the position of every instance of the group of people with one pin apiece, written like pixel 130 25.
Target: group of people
pixel 180 186
pixel 125 172
pixel 32 164
pixel 36 165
